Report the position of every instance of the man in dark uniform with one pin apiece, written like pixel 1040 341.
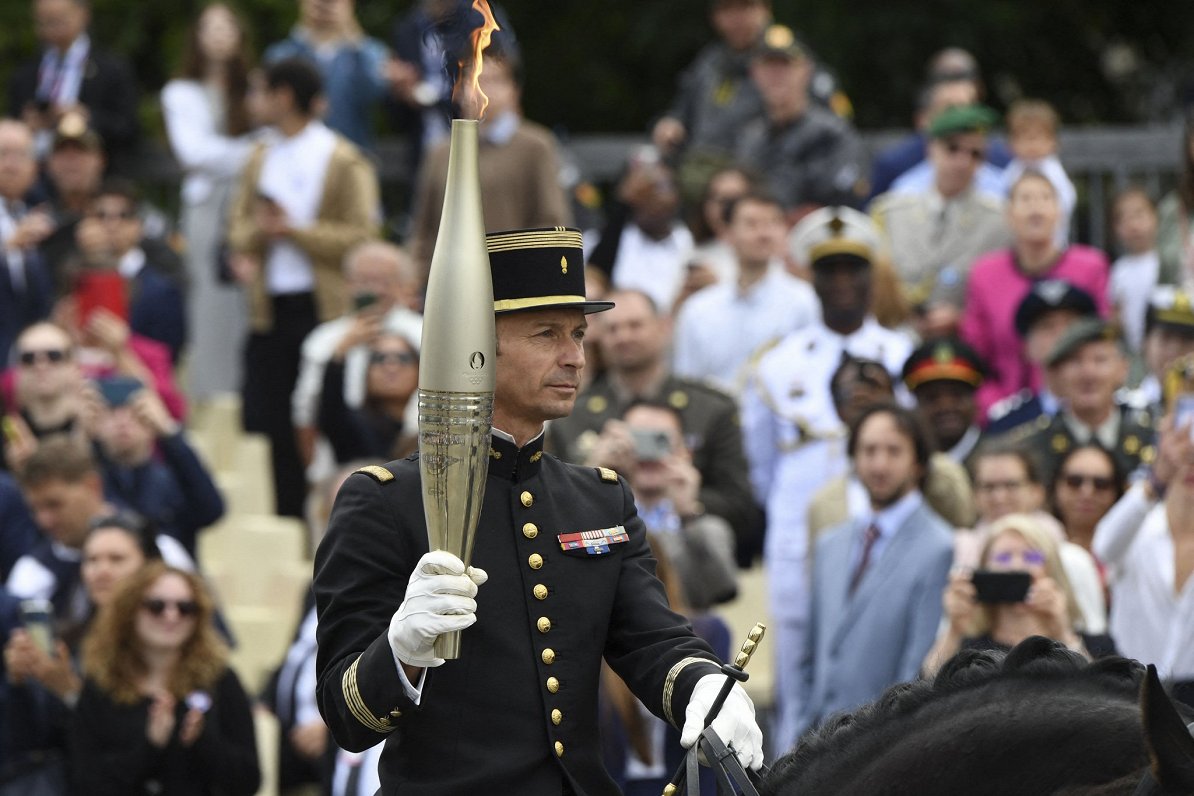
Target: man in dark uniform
pixel 634 342
pixel 943 375
pixel 1090 363
pixel 517 712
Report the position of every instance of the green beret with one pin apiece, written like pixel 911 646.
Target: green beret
pixel 1078 334
pixel 962 119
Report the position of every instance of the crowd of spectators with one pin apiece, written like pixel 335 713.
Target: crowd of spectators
pixel 894 380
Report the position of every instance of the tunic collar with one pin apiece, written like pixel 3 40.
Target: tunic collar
pixel 508 461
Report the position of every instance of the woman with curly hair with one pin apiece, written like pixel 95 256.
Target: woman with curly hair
pixel 160 711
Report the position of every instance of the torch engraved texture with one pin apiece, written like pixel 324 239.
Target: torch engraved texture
pixel 456 369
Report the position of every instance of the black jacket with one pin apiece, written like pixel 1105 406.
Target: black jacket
pixel 501 719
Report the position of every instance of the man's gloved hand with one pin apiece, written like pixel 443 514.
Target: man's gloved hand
pixel 439 599
pixel 735 723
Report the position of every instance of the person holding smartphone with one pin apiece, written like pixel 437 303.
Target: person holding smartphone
pixel 997 607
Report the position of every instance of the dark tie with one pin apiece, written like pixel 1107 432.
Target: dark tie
pixel 868 544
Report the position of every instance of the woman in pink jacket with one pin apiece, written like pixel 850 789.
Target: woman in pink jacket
pixel 1000 280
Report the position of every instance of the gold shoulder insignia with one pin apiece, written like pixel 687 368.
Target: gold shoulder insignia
pixel 607 475
pixel 678 399
pixel 381 474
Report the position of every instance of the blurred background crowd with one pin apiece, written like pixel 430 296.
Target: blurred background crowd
pixel 902 392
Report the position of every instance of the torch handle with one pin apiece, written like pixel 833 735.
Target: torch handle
pixel 447 645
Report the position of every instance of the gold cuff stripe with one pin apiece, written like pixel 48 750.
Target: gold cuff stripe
pixel 535 301
pixel 352 698
pixel 670 683
pixel 839 246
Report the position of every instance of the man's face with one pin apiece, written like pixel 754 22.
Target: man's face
pixel 885 460
pixel 956 159
pixel 540 358
pixel 75 170
pixel 1001 487
pixel 124 438
pixel 948 408
pixel 1092 374
pixel 380 275
pixel 843 284
pixel 18 164
pixel 780 79
pixel 59 22
pixel 632 335
pixel 1032 210
pixel 741 24
pixel 650 477
pixel 1044 333
pixel 1164 345
pixel 63 509
pixel 46 367
pixel 756 231
pixel 119 221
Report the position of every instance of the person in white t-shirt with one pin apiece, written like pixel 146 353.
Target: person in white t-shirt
pixel 1134 273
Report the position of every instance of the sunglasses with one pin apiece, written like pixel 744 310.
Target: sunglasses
pixel 53 355
pixel 392 357
pixel 1034 557
pixel 158 607
pixel 1099 482
pixel 977 155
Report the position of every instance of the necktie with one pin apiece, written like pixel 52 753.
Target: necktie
pixel 868 544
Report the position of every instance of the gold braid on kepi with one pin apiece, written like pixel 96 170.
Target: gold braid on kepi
pixel 539 269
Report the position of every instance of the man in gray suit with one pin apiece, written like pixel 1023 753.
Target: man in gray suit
pixel 877 581
pixel 933 234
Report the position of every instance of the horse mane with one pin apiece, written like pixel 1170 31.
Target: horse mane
pixel 956 714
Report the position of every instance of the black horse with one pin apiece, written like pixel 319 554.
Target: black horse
pixel 1039 720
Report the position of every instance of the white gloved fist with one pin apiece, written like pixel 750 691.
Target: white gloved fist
pixel 439 599
pixel 735 723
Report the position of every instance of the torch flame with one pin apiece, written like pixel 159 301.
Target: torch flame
pixel 467 93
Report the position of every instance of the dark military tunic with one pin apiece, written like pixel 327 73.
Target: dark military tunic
pixel 1049 439
pixel 711 432
pixel 517 713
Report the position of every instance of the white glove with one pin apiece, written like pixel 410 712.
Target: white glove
pixel 439 599
pixel 735 723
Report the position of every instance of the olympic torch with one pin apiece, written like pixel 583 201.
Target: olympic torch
pixel 456 369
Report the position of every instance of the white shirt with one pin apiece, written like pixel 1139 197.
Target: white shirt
pixel 656 267
pixel 292 175
pixel 195 125
pixel 720 327
pixel 14 258
pixel 888 521
pixel 1133 278
pixel 1149 621
pixel 131 263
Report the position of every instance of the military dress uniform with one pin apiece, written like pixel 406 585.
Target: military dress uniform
pixel 516 713
pixel 1049 438
pixel 712 434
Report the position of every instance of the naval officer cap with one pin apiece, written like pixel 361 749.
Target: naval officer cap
pixel 1078 334
pixel 1170 308
pixel 833 231
pixel 536 269
pixel 780 42
pixel 1049 295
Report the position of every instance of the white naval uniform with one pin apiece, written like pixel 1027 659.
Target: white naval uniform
pixel 796 443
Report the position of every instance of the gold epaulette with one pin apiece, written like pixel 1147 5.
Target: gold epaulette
pixel 381 474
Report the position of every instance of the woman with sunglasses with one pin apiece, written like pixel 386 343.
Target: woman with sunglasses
pixel 1017 544
pixel 1086 484
pixel 379 429
pixel 1000 280
pixel 161 711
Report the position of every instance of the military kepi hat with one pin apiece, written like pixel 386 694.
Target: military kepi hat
pixel 1170 307
pixel 539 268
pixel 1078 334
pixel 962 119
pixel 943 360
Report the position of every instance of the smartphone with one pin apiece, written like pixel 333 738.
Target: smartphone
pixel 117 390
pixel 1001 587
pixel 1183 410
pixel 95 289
pixel 651 446
pixel 362 300
pixel 38 618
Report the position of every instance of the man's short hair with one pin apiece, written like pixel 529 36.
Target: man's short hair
pixel 300 77
pixel 907 422
pixel 754 195
pixel 57 459
pixel 652 305
pixel 1000 448
pixel 655 403
pixel 121 187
